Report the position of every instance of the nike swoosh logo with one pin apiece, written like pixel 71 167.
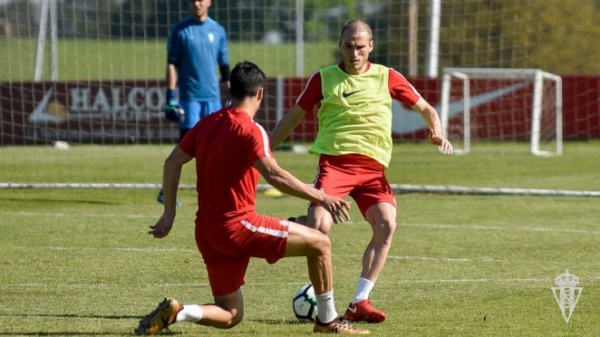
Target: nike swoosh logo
pixel 352 310
pixel 346 94
pixel 406 120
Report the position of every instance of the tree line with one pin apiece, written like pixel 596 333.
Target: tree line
pixel 554 35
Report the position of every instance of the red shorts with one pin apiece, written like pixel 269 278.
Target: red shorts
pixel 227 248
pixel 358 176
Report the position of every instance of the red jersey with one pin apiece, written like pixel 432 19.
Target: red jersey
pixel 400 90
pixel 225 145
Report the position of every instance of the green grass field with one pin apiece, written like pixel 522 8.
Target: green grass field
pixel 506 165
pixel 78 262
pixel 85 60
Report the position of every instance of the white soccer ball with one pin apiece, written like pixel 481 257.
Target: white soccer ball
pixel 304 304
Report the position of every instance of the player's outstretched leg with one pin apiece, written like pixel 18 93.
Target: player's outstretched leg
pixel 160 318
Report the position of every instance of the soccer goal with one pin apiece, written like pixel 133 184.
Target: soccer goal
pixel 502 105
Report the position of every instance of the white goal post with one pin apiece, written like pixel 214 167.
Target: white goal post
pixel 520 79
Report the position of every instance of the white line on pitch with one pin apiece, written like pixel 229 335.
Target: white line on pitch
pixel 120 285
pixel 460 259
pixel 498 228
pixel 441 226
pixel 357 256
pixel 118 249
pixel 485 280
pixel 93 215
pixel 262 284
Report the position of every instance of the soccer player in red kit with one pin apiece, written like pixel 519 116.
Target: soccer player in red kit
pixel 230 151
pixel 354 145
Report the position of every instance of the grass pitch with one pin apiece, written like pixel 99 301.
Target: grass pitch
pixel 86 60
pixel 78 262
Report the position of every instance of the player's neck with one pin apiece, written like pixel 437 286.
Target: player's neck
pixel 200 18
pixel 249 106
pixel 362 70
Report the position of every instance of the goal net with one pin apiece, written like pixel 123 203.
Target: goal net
pixel 88 75
pixel 502 105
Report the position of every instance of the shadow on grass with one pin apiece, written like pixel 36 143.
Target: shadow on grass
pixel 75 316
pixel 77 333
pixel 43 333
pixel 277 321
pixel 113 333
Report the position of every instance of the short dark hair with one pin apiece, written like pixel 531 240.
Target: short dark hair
pixel 246 78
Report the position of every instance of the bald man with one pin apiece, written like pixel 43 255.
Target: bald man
pixel 354 145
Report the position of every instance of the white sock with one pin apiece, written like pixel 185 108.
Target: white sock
pixel 326 307
pixel 190 313
pixel 363 290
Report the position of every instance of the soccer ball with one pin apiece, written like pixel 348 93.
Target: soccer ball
pixel 304 304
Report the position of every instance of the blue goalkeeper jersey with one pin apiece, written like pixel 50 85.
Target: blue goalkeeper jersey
pixel 196 48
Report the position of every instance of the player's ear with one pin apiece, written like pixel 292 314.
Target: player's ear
pixel 260 93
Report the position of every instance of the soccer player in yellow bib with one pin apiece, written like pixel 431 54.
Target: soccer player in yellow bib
pixel 354 145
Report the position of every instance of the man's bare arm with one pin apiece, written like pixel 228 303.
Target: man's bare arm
pixel 171 175
pixel 286 125
pixel 432 120
pixel 289 184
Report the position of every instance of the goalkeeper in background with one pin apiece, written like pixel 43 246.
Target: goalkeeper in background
pixel 196 46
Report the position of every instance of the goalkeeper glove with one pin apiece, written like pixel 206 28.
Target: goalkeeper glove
pixel 173 110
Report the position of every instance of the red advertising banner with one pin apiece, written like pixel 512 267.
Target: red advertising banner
pixel 500 109
pixel 95 112
pixel 111 112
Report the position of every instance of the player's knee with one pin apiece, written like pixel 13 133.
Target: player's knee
pixel 384 229
pixel 322 244
pixel 235 319
pixel 319 219
pixel 322 224
pixel 391 226
pixel 232 310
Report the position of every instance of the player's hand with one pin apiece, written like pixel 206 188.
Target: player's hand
pixel 173 110
pixel 163 226
pixel 337 207
pixel 444 145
